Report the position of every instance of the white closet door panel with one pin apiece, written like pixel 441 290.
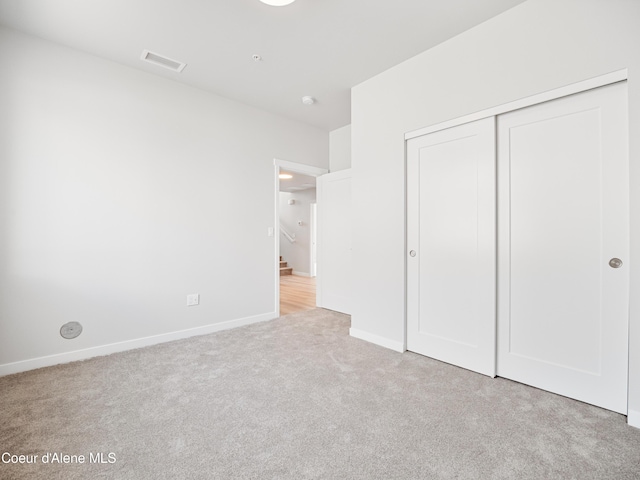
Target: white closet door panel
pixel 451 232
pixel 563 196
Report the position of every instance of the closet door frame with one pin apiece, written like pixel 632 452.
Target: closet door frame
pixel 583 86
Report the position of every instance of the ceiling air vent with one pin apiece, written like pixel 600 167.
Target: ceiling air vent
pixel 165 62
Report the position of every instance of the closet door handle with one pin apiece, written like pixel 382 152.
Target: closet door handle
pixel 412 253
pixel 615 263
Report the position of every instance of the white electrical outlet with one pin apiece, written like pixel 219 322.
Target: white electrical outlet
pixel 193 299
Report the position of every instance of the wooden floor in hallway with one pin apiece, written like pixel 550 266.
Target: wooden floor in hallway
pixel 297 293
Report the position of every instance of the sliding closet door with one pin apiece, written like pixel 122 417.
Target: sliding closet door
pixel 451 245
pixel 564 246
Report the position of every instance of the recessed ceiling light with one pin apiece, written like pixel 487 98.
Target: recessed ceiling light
pixel 308 100
pixel 277 3
pixel 257 58
pixel 285 176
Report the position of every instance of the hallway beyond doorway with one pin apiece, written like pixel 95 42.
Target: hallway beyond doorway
pixel 297 293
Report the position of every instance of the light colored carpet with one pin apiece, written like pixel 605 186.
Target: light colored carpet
pixel 297 398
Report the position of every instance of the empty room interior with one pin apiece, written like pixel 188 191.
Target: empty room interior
pixel 302 239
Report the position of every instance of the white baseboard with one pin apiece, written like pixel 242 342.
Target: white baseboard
pixel 49 360
pixel 378 340
pixel 301 274
pixel 633 418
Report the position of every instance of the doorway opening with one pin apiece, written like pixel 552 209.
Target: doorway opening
pixel 295 233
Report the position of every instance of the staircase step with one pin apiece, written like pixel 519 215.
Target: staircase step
pixel 286 270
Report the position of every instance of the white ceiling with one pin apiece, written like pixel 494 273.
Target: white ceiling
pixel 297 182
pixel 312 47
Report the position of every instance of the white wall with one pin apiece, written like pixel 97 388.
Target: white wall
pixel 535 47
pixel 297 254
pixel 115 190
pixel 340 149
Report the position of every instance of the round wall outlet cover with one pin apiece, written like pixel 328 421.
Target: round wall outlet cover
pixel 70 330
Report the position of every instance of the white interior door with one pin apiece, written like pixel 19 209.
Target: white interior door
pixel 333 282
pixel 314 242
pixel 451 238
pixel 563 214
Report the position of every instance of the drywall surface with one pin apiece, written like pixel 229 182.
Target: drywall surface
pixel 340 149
pixel 296 221
pixel 537 46
pixel 122 192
